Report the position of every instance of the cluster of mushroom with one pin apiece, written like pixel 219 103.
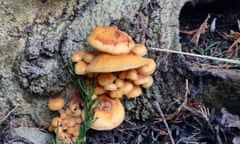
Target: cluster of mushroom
pixel 119 64
pixel 120 68
pixel 67 124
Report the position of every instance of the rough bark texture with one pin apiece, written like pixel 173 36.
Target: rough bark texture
pixel 37 39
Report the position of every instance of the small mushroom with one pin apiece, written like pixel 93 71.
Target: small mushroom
pixel 122 75
pixel 99 90
pixel 135 92
pixel 63 114
pixel 70 122
pixel 110 87
pixel 148 84
pixel 80 68
pixel 56 121
pixel 76 105
pixel 51 128
pixel 77 56
pixel 76 131
pixel 126 88
pixel 110 40
pixel 109 113
pixel 119 82
pixel 56 104
pixel 149 68
pixel 88 57
pixel 70 131
pixel 143 79
pixel 139 49
pixel 132 74
pixel 116 94
pixel 106 78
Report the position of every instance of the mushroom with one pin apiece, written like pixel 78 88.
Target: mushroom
pixel 110 40
pixel 149 68
pixel 76 106
pixel 106 78
pixel 99 90
pixel 132 74
pixel 67 124
pixel 109 113
pixel 135 92
pixel 77 56
pixel 122 75
pixel 80 68
pixel 139 49
pixel 110 87
pixel 126 88
pixel 56 104
pixel 116 93
pixel 56 121
pixel 148 84
pixel 88 57
pixel 119 82
pixel 120 70
pixel 113 63
pixel 143 79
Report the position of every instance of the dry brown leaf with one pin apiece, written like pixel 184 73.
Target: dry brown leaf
pixel 201 30
pixel 233 49
pixel 197 32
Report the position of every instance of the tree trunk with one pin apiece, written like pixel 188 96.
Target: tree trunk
pixel 38 38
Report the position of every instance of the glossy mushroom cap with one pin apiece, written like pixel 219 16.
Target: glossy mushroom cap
pixel 114 63
pixel 110 40
pixel 149 68
pixel 109 113
pixel 76 104
pixel 56 104
pixel 139 49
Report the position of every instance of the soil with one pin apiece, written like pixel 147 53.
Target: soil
pixel 188 126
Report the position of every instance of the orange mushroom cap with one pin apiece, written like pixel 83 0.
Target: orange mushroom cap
pixel 149 68
pixel 75 104
pixel 80 68
pixel 56 104
pixel 77 56
pixel 114 63
pixel 139 49
pixel 109 113
pixel 110 40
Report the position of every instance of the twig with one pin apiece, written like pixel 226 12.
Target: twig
pixel 201 30
pixel 187 92
pixel 165 121
pixel 196 55
pixel 230 49
pixel 8 114
pixel 179 109
pixel 197 32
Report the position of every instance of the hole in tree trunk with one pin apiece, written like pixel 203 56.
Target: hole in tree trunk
pixel 220 80
pixel 226 13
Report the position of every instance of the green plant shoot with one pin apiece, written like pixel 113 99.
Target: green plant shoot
pixel 86 87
